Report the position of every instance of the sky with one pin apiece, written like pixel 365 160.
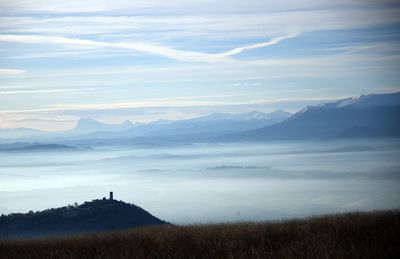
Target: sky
pixel 145 60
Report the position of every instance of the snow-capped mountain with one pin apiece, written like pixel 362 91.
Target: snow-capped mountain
pixel 361 101
pixel 253 115
pixel 374 115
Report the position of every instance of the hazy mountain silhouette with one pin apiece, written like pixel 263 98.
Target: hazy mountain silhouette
pixel 94 216
pixel 223 122
pixel 16 133
pixel 375 115
pixel 36 147
pixel 215 124
pixel 196 129
pixel 87 125
pixel 272 117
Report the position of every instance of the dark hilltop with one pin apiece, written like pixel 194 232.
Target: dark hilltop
pixel 95 216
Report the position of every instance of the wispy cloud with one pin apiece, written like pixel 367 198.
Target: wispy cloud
pixel 11 72
pixel 171 53
pixel 273 41
pixel 39 91
pixel 240 25
pixel 179 6
pixel 160 103
pixel 184 101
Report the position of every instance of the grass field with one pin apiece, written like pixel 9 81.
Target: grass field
pixel 352 235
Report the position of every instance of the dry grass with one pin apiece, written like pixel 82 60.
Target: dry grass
pixel 352 235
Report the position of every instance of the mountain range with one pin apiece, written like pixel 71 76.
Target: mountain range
pixel 87 125
pixel 220 122
pixel 374 115
pixel 18 133
pixel 200 128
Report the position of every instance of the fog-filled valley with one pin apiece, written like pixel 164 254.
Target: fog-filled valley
pixel 188 183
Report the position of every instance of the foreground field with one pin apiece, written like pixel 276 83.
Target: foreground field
pixel 352 235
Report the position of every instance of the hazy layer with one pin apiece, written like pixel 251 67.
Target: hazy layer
pixel 210 182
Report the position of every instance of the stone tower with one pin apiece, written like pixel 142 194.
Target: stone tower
pixel 111 196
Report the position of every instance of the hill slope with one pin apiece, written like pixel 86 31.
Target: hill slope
pixel 97 215
pixel 354 235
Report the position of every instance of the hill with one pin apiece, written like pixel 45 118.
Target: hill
pixel 94 216
pixel 352 235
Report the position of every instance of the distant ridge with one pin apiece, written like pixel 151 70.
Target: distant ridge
pixel 94 216
pixel 15 133
pixel 88 131
pixel 375 115
pixel 38 147
pixel 87 125
pixel 276 116
pixel 364 116
pixel 200 129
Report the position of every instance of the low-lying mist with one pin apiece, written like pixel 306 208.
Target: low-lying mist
pixel 210 182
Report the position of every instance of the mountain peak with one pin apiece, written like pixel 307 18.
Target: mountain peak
pixel 257 115
pixel 246 116
pixel 87 119
pixel 253 115
pixel 214 117
pixel 360 101
pixel 127 123
pixel 279 114
pixel 88 125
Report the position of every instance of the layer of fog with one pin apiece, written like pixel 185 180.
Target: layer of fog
pixel 210 182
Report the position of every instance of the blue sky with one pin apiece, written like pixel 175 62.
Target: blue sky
pixel 148 60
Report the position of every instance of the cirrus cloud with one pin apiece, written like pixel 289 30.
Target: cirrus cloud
pixel 11 72
pixel 182 55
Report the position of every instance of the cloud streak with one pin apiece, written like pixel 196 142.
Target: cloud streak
pixel 163 103
pixel 273 41
pixel 39 91
pixel 177 6
pixel 181 55
pixel 11 72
